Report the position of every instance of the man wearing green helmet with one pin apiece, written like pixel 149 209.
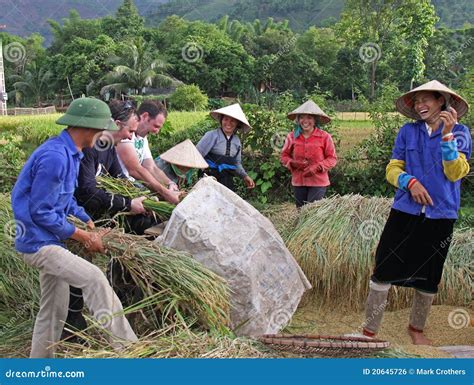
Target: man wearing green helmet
pixel 42 200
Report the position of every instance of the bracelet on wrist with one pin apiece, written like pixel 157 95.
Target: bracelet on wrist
pixel 448 135
pixel 411 183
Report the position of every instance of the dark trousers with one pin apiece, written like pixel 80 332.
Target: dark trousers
pixel 308 194
pixel 225 177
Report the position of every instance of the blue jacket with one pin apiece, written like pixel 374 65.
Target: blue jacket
pixel 423 156
pixel 43 195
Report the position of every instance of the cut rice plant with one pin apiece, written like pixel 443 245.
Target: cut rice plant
pixel 335 242
pixel 174 284
pixel 19 284
pixel 121 186
pixel 169 342
pixel 284 217
pixel 126 188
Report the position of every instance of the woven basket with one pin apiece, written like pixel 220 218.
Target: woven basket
pixel 334 346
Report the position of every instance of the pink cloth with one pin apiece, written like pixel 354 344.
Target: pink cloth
pixel 318 151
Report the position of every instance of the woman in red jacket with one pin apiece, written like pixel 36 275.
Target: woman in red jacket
pixel 309 153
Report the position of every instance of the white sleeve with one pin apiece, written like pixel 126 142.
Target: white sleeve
pixel 146 150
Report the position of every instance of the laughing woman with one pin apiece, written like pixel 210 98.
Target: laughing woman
pixel 309 153
pixel 429 160
pixel 222 149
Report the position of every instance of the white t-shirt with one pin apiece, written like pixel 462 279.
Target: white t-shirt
pixel 141 148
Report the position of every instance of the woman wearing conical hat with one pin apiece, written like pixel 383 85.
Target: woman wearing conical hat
pixel 309 153
pixel 429 159
pixel 221 148
pixel 180 162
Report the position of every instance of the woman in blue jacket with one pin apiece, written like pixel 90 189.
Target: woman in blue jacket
pixel 429 159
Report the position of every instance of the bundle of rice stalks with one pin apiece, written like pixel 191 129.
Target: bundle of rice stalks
pixel 284 217
pixel 458 275
pixel 19 284
pixel 335 242
pixel 126 188
pixel 173 283
pixel 169 342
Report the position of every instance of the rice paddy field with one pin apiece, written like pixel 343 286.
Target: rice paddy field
pixel 184 312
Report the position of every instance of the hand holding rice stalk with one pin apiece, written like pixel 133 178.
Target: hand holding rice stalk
pixel 127 189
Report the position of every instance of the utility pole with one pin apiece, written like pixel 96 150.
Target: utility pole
pixel 3 93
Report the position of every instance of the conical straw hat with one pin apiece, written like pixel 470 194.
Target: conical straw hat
pixel 185 154
pixel 405 103
pixel 310 108
pixel 234 111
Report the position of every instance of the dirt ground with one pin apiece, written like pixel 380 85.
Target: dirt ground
pixel 311 319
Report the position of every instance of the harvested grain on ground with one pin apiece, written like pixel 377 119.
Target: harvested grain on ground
pixel 317 319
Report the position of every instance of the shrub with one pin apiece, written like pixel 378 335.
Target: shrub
pixel 188 98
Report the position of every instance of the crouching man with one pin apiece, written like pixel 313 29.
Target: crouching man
pixel 42 199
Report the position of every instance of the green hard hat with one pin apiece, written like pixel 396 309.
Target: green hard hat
pixel 88 113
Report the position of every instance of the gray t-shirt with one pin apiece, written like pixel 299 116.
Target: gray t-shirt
pixel 215 141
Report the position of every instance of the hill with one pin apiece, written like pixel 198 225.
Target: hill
pixel 22 18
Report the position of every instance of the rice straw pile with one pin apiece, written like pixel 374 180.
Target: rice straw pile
pixel 284 217
pixel 174 284
pixel 335 242
pixel 181 342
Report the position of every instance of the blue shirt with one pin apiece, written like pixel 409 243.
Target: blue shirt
pixel 423 157
pixel 43 195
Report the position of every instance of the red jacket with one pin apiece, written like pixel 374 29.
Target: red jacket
pixel 309 160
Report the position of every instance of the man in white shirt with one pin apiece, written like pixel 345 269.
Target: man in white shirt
pixel 136 158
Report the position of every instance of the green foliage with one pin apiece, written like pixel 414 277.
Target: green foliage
pixel 137 68
pixel 34 83
pixel 188 98
pixel 363 170
pixel 261 159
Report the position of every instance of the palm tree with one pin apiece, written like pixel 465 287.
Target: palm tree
pixel 139 68
pixel 35 82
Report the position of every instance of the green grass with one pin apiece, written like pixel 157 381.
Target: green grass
pixel 180 120
pixel 352 132
pixel 35 129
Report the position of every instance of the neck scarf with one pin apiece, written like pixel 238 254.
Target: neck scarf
pixel 186 176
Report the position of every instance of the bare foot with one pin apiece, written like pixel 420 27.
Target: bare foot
pixel 418 338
